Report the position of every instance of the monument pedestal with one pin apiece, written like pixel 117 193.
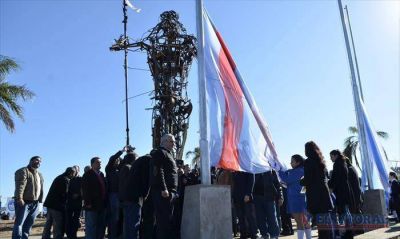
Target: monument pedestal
pixel 207 212
pixel 374 209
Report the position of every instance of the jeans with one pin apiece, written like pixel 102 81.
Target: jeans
pixel 113 215
pixel 55 218
pixel 347 219
pixel 95 224
pixel 72 223
pixel 266 216
pixel 132 211
pixel 24 219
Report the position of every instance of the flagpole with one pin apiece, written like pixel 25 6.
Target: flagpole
pixel 125 21
pixel 357 103
pixel 355 54
pixel 204 151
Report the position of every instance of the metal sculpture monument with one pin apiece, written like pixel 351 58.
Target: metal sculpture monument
pixel 170 53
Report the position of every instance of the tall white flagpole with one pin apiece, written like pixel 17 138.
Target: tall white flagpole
pixel 356 97
pixel 204 151
pixel 355 54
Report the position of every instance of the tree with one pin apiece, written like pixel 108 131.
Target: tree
pixel 351 144
pixel 10 94
pixel 195 154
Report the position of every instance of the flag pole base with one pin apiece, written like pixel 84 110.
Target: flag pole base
pixel 207 212
pixel 374 209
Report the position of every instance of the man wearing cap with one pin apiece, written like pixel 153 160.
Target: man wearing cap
pixel 28 194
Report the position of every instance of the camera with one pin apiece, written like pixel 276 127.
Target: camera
pixel 130 149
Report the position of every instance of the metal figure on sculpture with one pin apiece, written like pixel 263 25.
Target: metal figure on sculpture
pixel 170 53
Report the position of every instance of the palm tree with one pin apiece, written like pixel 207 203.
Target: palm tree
pixel 351 144
pixel 195 154
pixel 10 94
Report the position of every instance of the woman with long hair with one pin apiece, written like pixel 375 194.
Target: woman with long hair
pixel 296 205
pixel 319 203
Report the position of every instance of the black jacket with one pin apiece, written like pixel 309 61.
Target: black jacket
pixel 340 185
pixel 74 196
pixel 57 197
pixel 163 171
pixel 395 194
pixel 243 185
pixel 94 191
pixel 112 175
pixel 267 185
pixel 317 192
pixel 138 179
pixel 355 186
pixel 123 192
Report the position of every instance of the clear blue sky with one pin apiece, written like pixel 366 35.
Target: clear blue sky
pixel 290 53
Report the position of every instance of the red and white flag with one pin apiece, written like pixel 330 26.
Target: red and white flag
pixel 237 134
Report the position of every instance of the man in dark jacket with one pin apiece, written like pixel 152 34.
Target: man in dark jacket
pixel 56 202
pixel 164 184
pixel 137 189
pixel 395 193
pixel 94 200
pixel 125 196
pixel 242 192
pixel 267 192
pixel 74 205
pixel 113 207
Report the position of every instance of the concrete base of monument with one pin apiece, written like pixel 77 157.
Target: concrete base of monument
pixel 207 212
pixel 374 209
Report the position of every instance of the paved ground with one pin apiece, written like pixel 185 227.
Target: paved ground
pixel 384 233
pixel 392 232
pixel 36 233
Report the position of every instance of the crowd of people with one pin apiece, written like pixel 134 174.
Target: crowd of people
pixel 142 197
pixel 138 197
pixel 309 193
